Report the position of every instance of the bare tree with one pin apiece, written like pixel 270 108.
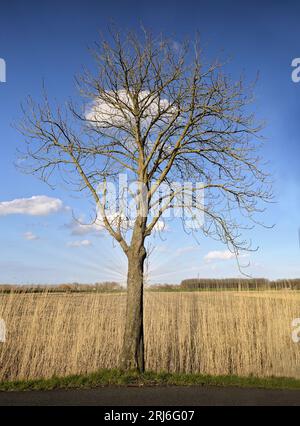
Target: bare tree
pixel 155 111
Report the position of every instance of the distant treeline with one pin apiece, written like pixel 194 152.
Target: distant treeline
pixel 193 284
pixel 108 286
pixel 230 284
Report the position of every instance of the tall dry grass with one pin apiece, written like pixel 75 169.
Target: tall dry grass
pixel 208 332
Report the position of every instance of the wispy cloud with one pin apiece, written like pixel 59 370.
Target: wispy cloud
pixel 30 236
pixel 38 205
pixel 81 243
pixel 78 228
pixel 218 255
pixel 162 249
pixel 177 46
pixel 188 249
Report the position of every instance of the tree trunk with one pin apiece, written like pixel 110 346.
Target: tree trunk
pixel 133 345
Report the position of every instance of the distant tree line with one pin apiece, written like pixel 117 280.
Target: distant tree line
pixel 198 284
pixel 192 284
pixel 107 286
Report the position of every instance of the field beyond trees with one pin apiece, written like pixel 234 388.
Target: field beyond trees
pixel 209 332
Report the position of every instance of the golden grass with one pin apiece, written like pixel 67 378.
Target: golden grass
pixel 216 333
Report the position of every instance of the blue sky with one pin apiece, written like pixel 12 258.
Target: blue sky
pixel 48 41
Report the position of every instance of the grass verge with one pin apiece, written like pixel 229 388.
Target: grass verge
pixel 118 378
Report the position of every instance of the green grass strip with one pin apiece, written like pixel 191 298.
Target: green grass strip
pixel 119 378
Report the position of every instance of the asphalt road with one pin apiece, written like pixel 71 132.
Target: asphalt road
pixel 152 396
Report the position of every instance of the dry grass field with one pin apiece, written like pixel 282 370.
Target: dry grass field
pixel 213 332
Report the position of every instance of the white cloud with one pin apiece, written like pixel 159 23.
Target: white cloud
pixel 106 114
pixel 218 255
pixel 30 236
pixel 78 228
pixel 38 205
pixel 81 243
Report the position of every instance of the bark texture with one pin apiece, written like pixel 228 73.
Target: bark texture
pixel 133 357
